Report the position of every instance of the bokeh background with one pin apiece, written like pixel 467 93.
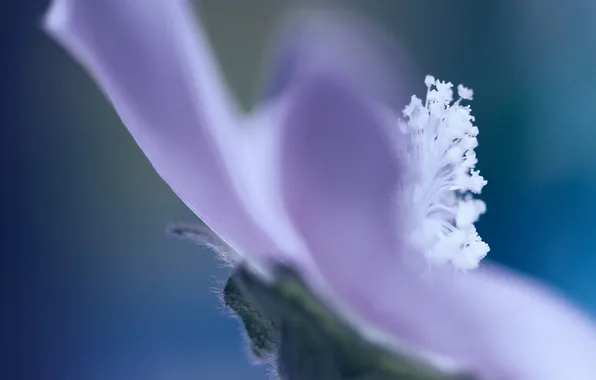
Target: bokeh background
pixel 96 290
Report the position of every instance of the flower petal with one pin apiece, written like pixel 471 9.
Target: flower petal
pixel 503 325
pixel 313 42
pixel 155 66
pixel 339 181
pixel 343 41
pixel 519 330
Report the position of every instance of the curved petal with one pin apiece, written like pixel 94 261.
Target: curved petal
pixel 502 325
pixel 339 176
pixel 517 330
pixel 341 40
pixel 312 43
pixel 154 64
pixel 339 183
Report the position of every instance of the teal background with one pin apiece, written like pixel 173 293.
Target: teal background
pixel 96 290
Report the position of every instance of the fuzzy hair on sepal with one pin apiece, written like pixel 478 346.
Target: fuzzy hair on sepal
pixel 312 342
pixel 202 235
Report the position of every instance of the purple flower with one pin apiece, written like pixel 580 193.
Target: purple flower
pixel 325 178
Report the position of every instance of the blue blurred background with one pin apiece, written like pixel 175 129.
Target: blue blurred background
pixel 95 288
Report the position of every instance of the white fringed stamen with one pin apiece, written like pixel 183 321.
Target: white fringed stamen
pixel 442 178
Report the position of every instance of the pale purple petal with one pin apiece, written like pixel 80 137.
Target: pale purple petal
pixel 339 175
pixel 344 42
pixel 154 64
pixel 311 43
pixel 517 329
pixel 339 182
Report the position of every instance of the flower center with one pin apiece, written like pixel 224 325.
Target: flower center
pixel 442 178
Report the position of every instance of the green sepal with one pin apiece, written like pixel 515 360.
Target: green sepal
pixel 309 341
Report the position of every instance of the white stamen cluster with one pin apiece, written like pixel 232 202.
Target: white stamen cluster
pixel 442 178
